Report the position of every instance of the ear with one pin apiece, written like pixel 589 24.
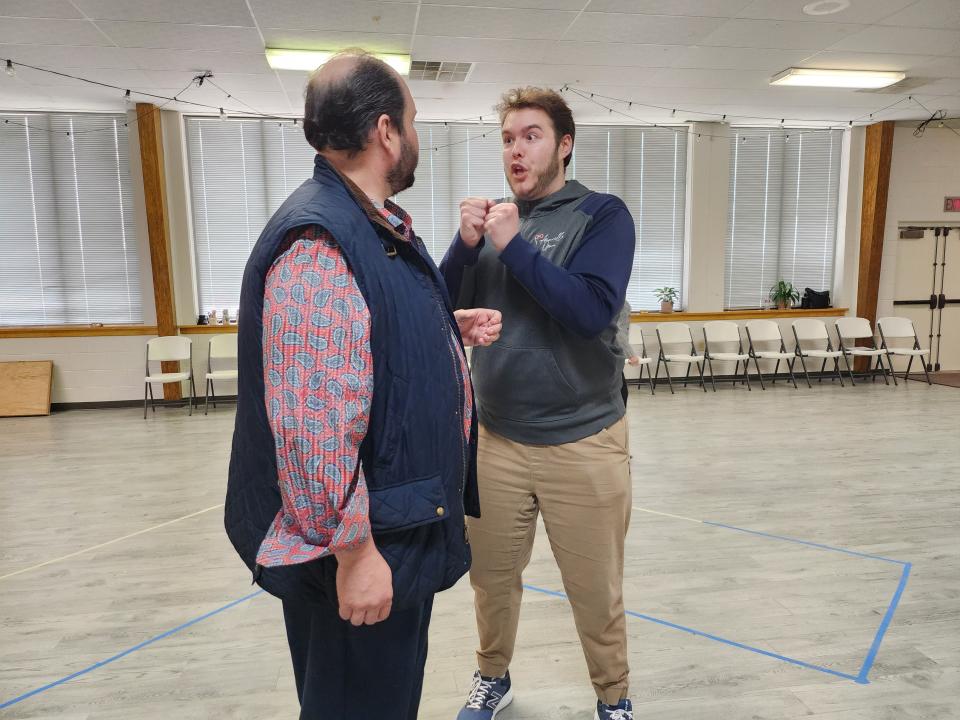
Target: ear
pixel 566 147
pixel 386 134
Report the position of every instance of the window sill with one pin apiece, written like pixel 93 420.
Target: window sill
pixel 48 331
pixel 207 329
pixel 677 316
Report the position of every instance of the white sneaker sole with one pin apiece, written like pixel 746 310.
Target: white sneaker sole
pixel 504 702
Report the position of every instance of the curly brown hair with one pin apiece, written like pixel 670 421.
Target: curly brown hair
pixel 550 102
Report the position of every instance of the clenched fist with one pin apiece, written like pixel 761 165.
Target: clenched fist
pixel 473 212
pixel 502 224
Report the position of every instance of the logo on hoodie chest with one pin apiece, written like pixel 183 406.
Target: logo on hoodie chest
pixel 545 242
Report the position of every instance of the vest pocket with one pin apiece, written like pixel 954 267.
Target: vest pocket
pixel 408 505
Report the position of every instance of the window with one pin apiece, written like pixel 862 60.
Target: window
pixel 241 170
pixel 240 173
pixel 784 189
pixel 68 249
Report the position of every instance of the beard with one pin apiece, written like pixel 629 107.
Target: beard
pixel 401 175
pixel 544 180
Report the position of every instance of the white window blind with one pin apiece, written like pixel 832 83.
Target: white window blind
pixel 236 184
pixel 240 173
pixel 68 248
pixel 784 189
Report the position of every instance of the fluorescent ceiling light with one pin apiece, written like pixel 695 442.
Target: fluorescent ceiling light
pixel 310 60
pixel 810 77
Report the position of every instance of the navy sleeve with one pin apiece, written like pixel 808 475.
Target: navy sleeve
pixel 586 295
pixel 459 256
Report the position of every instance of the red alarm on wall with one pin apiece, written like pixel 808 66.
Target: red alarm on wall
pixel 951 204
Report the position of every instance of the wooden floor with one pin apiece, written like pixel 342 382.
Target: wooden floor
pixel 111 537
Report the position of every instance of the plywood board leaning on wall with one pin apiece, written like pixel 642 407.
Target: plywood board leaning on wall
pixel 25 387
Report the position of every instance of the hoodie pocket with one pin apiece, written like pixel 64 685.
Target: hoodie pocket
pixel 522 384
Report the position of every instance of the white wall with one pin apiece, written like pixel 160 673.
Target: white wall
pixel 923 171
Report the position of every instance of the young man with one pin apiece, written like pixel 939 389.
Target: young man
pixel 353 460
pixel 555 260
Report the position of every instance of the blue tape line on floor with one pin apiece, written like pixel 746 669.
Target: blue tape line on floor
pixel 715 638
pixel 126 652
pixel 882 630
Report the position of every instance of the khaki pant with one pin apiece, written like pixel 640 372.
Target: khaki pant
pixel 583 490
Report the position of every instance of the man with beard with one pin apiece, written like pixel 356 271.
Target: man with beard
pixel 553 441
pixel 353 463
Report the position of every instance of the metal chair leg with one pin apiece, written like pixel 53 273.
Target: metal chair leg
pixel 666 369
pixel 759 374
pixel 823 367
pixel 925 370
pixel 775 371
pixel 193 391
pixel 712 381
pixel 836 367
pixel 746 375
pixel 703 385
pixel 153 404
pixel 206 397
pixel 145 386
pixel 792 378
pixel 890 364
pixel 687 377
pixel 849 371
pixel 906 375
pixel 803 363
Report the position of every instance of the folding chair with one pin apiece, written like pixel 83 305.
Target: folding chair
pixel 760 333
pixel 725 333
pixel 856 328
pixel 173 348
pixel 810 331
pixel 222 347
pixel 900 328
pixel 677 333
pixel 644 363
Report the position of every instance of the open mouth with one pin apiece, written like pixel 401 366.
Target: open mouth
pixel 518 171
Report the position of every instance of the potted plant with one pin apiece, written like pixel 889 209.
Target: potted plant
pixel 666 296
pixel 784 295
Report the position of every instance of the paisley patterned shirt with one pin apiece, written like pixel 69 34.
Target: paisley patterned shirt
pixel 318 375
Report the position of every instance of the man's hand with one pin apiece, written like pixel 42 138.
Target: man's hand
pixel 364 585
pixel 502 224
pixel 479 326
pixel 635 360
pixel 473 211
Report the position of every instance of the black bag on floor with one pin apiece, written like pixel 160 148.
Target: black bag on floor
pixel 814 299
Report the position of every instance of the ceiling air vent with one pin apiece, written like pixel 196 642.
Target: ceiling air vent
pixel 441 71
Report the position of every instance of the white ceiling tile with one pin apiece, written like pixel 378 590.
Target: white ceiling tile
pixel 914 41
pixel 612 54
pixel 50 32
pixel 689 8
pixel 575 5
pixel 848 60
pixel 864 12
pixel 334 40
pixel 942 86
pixel 123 78
pixel 207 12
pixel 181 37
pixel 939 14
pixel 776 34
pixel 479 49
pixel 231 82
pixel 493 23
pixel 264 102
pixel 940 67
pixel 702 78
pixel 659 29
pixel 195 61
pixel 293 81
pixel 363 16
pixel 733 58
pixel 38 9
pixel 58 57
pixel 531 74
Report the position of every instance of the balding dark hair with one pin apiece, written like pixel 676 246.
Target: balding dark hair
pixel 344 104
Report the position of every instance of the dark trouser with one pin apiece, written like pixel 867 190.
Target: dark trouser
pixel 624 391
pixel 367 673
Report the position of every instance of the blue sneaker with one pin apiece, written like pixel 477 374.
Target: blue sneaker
pixel 487 697
pixel 621 711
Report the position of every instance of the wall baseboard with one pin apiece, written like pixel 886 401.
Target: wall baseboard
pixel 107 404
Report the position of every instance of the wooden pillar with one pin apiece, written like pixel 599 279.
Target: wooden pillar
pixel 873 215
pixel 154 191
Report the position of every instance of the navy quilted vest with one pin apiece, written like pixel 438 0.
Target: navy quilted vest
pixel 419 468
